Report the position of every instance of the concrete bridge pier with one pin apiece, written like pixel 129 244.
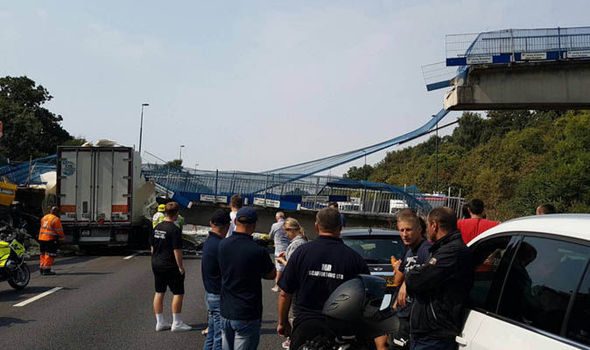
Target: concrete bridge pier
pixel 533 85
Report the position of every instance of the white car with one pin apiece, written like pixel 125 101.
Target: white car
pixel 532 285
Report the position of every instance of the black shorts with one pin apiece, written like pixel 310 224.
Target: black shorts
pixel 49 247
pixel 169 278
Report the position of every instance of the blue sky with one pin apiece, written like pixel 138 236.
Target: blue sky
pixel 248 85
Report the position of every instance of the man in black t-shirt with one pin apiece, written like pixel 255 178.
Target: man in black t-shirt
pixel 242 263
pixel 166 248
pixel 314 271
pixel 211 274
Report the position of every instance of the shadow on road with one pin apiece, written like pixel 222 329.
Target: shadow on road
pixel 83 273
pixel 198 326
pixel 9 321
pixel 74 260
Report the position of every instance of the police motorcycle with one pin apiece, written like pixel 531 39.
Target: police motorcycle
pixel 356 313
pixel 13 267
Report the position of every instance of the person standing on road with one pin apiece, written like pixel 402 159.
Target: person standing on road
pixel 477 223
pixel 211 274
pixel 313 272
pixel 441 286
pixel 281 243
pixel 297 236
pixel 242 263
pixel 166 248
pixel 409 226
pixel 342 217
pixel 235 203
pixel 50 232
pixel 159 215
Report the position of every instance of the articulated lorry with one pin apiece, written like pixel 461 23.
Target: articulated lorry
pixel 102 196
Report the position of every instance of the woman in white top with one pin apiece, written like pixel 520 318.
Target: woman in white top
pixel 297 236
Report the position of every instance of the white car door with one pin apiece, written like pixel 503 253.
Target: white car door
pixel 523 293
pixel 494 333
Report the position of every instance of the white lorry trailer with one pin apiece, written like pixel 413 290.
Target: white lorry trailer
pixel 102 196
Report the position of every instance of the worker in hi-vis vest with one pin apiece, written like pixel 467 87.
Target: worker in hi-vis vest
pixel 159 215
pixel 160 218
pixel 51 230
pixel 179 222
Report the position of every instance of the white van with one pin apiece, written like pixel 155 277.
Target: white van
pixel 532 285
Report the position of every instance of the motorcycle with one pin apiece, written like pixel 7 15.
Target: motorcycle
pixel 356 313
pixel 13 267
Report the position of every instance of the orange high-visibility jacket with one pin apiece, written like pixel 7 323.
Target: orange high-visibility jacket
pixel 50 228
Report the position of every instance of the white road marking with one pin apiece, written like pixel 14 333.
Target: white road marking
pixel 130 256
pixel 44 294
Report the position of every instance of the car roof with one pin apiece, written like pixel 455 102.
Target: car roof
pixel 364 231
pixel 566 225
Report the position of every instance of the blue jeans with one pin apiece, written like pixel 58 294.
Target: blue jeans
pixel 213 340
pixel 240 335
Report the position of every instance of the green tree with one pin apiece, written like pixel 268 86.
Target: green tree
pixel 513 160
pixel 359 173
pixel 175 164
pixel 30 130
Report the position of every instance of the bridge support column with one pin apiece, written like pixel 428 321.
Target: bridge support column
pixel 553 85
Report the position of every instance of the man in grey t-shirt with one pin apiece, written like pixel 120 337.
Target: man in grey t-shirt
pixel 277 233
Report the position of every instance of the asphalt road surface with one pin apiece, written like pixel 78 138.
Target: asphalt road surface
pixel 106 303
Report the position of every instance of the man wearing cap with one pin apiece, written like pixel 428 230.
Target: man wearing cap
pixel 212 277
pixel 242 263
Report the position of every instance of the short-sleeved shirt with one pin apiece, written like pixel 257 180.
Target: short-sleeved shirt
pixel 165 238
pixel 295 243
pixel 315 270
pixel 243 263
pixel 210 270
pixel 232 225
pixel 414 257
pixel 471 228
pixel 280 237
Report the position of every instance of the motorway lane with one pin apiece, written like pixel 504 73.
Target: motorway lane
pixel 106 302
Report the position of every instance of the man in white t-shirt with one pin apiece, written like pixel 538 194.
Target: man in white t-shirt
pixel 235 203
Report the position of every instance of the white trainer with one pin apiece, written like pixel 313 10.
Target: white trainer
pixel 181 327
pixel 163 326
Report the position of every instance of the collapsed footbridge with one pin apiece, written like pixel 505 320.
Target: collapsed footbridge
pixel 507 69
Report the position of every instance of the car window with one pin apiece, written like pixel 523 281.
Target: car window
pixel 491 259
pixel 542 278
pixel 377 250
pixel 579 322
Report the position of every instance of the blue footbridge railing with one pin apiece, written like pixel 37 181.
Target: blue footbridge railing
pixel 282 191
pixel 506 46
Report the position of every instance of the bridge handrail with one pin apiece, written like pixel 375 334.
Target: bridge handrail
pixel 555 43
